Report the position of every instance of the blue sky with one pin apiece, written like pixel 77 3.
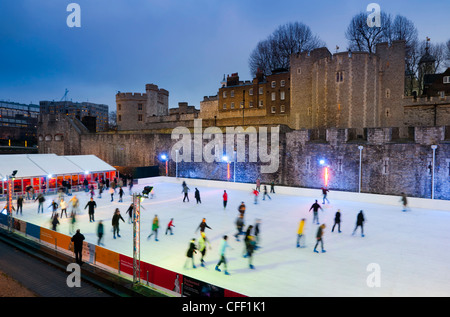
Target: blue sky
pixel 184 46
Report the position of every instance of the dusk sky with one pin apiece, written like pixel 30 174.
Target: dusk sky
pixel 184 46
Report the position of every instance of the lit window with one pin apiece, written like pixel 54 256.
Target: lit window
pixel 282 95
pixel 274 84
pixel 274 96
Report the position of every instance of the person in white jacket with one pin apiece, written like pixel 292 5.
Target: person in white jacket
pixel 63 206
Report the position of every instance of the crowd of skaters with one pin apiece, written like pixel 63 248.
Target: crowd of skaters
pixel 198 245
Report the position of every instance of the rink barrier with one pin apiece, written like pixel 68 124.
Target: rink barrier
pixel 169 282
pixel 364 198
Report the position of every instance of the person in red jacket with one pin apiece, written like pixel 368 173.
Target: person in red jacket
pixel 225 199
pixel 169 226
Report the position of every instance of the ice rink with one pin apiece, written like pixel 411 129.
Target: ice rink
pixel 402 253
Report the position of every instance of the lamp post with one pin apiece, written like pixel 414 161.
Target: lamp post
pixel 234 166
pixel 10 180
pixel 166 160
pixel 360 166
pixel 433 147
pixel 225 159
pixel 176 163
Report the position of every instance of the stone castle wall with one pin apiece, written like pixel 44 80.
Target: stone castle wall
pixel 393 160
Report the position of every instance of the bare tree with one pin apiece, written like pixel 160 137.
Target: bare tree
pixel 112 120
pixel 361 37
pixel 275 51
pixel 447 53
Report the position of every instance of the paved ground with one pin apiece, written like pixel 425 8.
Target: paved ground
pixel 29 276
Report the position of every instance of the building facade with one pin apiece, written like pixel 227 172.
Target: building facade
pixel 18 124
pixel 78 110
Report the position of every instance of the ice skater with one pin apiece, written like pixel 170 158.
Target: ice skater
pixel 337 221
pixel 202 226
pixel 223 247
pixel 359 223
pixel 203 244
pixel 130 213
pixel 54 207
pixel 155 226
pixel 325 193
pixel 319 237
pixel 300 236
pixel 120 194
pixel 55 222
pixel 40 198
pixel 190 253
pixel 257 232
pixel 19 205
pixel 272 188
pixel 185 191
pixel 169 226
pixel 241 209
pixel 225 199
pixel 63 206
pixel 100 232
pixel 75 203
pixel 111 192
pixel 255 193
pixel 250 245
pixel 404 201
pixel 239 226
pixel 197 196
pixel 265 193
pixel 91 205
pixel 115 222
pixel 315 208
pixel 258 185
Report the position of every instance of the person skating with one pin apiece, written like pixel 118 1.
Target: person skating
pixel 257 232
pixel 250 245
pixel 169 226
pixel 120 194
pixel 315 208
pixel 63 206
pixel 73 220
pixel 265 193
pixel 359 223
pixel 197 196
pixel 272 188
pixel 242 208
pixel 19 205
pixel 190 253
pixel 75 203
pixel 115 222
pixel 337 221
pixel 41 200
pixel 54 207
pixel 185 191
pixel 92 205
pixel 155 226
pixel 55 221
pixel 130 213
pixel 324 194
pixel 222 249
pixel 77 240
pixel 100 232
pixel 404 201
pixel 258 185
pixel 203 244
pixel 300 236
pixel 319 237
pixel 256 194
pixel 239 226
pixel 111 192
pixel 225 199
pixel 202 226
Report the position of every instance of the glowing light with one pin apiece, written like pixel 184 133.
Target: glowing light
pixel 164 157
pixel 86 172
pixel 326 176
pixel 225 158
pixel 228 171
pixel 322 162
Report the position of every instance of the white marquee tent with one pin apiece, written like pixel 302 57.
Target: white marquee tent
pixel 49 171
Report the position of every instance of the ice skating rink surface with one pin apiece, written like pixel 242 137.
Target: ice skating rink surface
pixel 401 254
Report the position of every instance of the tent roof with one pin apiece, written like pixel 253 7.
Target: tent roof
pixel 35 165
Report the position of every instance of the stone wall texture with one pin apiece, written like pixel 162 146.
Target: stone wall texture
pixel 392 161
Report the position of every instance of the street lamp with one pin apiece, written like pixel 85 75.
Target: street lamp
pixel 433 147
pixel 164 158
pixel 225 159
pixel 360 165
